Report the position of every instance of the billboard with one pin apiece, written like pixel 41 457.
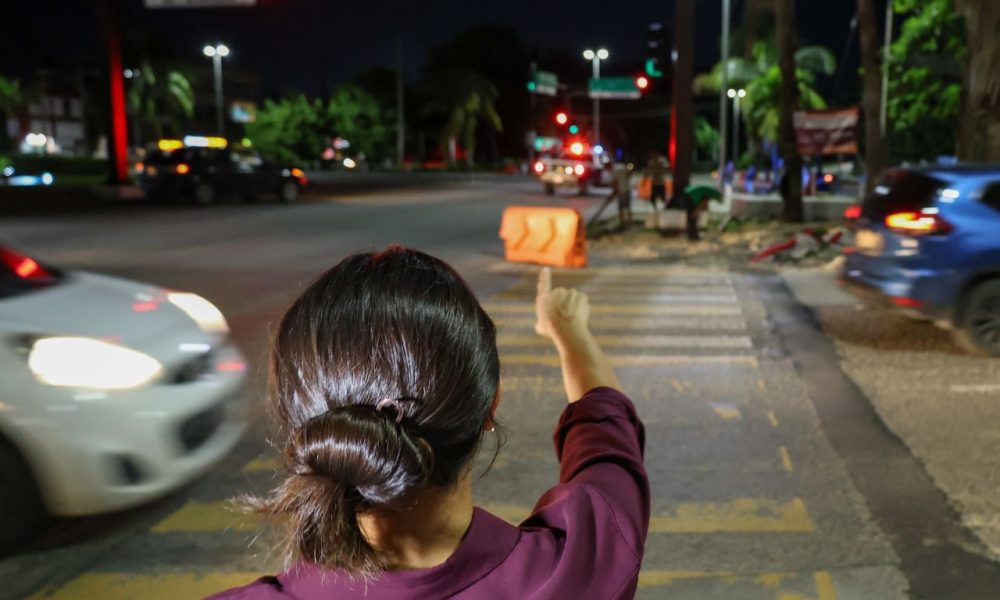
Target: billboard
pixel 821 132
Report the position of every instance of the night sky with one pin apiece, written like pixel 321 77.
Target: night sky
pixel 311 44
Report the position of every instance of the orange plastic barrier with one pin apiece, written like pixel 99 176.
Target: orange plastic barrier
pixel 546 236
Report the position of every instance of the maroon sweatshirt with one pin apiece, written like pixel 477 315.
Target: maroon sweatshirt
pixel 584 539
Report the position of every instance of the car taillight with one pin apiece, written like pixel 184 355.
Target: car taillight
pixel 539 167
pixel 23 266
pixel 183 169
pixel 579 169
pixel 853 212
pixel 917 223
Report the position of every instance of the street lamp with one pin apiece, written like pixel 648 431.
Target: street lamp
pixel 217 53
pixel 595 58
pixel 736 95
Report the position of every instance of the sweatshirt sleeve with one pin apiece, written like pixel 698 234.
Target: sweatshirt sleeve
pixel 599 441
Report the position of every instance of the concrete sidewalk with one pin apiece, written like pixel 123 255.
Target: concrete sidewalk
pixel 939 401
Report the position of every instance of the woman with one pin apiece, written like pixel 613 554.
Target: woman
pixel 385 379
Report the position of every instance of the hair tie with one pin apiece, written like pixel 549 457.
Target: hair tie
pixel 394 404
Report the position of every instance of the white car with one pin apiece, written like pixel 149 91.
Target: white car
pixel 112 392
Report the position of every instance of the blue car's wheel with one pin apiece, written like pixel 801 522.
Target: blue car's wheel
pixel 980 327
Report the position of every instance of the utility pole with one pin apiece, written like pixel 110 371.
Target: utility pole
pixel 681 117
pixel 723 88
pixel 400 106
pixel 118 135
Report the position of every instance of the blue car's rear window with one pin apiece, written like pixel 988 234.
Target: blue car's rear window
pixel 902 191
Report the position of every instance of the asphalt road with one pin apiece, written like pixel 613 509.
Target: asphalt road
pixel 757 491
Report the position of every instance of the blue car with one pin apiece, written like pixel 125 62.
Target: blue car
pixel 927 241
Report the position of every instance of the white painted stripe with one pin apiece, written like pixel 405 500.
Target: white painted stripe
pixel 653 323
pixel 632 360
pixel 639 341
pixel 630 309
pixel 976 388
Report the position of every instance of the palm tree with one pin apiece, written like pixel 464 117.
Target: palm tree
pixel 876 155
pixel 761 77
pixel 160 96
pixel 790 96
pixel 466 99
pixel 979 127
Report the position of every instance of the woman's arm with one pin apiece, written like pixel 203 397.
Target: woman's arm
pixel 562 316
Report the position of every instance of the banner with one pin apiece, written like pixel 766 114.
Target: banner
pixel 820 132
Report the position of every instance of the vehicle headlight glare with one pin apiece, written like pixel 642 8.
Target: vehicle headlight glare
pixel 204 313
pixel 89 363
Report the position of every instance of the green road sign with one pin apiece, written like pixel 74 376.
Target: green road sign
pixel 544 83
pixel 614 87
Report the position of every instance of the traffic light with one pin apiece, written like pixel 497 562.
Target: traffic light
pixel 642 82
pixel 562 118
pixel 574 129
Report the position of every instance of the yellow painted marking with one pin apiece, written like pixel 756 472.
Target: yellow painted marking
pixel 512 513
pixel 761 385
pixel 551 360
pixel 638 341
pixel 264 463
pixel 824 586
pixel 744 515
pixel 772 418
pixel 207 517
pixel 677 384
pixel 124 586
pixel 775 581
pixel 727 411
pixel 598 322
pixel 631 309
pixel 786 461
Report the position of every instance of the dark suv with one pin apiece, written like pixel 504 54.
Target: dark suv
pixel 204 174
pixel 928 243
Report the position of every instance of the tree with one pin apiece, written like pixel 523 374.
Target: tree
pixel 466 98
pixel 871 98
pixel 289 129
pixel 12 99
pixel 925 80
pixel 160 96
pixel 498 54
pixel 784 16
pixel 297 129
pixel 761 77
pixel 353 114
pixel 979 127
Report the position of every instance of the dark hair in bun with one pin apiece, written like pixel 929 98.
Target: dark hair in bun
pixel 382 376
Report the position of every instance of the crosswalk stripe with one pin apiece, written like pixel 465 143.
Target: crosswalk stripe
pixel 207 517
pixel 600 322
pixel 631 309
pixel 128 586
pixel 638 341
pixel 630 360
pixel 269 463
pixel 743 515
pixel 775 584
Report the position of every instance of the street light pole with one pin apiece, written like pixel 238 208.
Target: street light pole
pixel 736 95
pixel 595 58
pixel 723 105
pixel 217 53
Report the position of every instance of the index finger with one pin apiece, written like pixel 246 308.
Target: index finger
pixel 545 281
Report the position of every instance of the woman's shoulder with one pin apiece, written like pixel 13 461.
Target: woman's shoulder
pixel 264 588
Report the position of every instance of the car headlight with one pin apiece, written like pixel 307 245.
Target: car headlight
pixel 204 313
pixel 88 363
